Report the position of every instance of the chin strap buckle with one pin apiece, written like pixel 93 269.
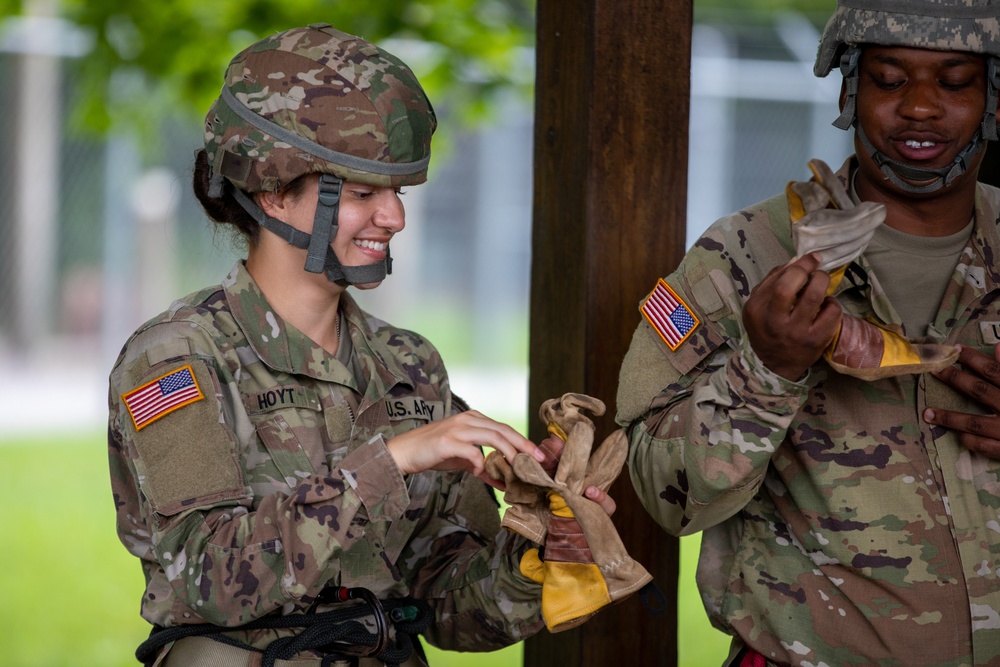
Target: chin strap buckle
pixel 324 222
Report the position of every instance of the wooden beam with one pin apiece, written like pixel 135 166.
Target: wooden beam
pixel 989 171
pixel 610 191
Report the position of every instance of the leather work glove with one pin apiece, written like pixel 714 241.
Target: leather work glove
pixel 584 565
pixel 528 508
pixel 827 222
pixel 527 512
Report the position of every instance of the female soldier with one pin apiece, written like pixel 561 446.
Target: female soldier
pixel 274 448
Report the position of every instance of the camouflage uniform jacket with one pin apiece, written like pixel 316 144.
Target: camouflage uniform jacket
pixel 278 482
pixel 839 527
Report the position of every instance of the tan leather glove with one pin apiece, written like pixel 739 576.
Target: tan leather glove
pixel 584 566
pixel 528 512
pixel 827 222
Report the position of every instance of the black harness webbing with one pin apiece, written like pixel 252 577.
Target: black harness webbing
pixel 335 633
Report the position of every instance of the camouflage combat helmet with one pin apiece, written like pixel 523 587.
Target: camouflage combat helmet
pixel 317 100
pixel 942 25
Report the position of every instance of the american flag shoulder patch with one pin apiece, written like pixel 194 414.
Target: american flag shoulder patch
pixel 669 315
pixel 159 397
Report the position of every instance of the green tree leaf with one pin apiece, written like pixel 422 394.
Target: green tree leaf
pixel 152 59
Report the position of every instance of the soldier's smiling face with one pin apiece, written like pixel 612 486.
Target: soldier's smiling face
pixel 368 217
pixel 919 107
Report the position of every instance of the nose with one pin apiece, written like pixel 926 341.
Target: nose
pixel 920 101
pixel 390 214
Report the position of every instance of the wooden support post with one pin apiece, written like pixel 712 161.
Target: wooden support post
pixel 610 191
pixel 989 171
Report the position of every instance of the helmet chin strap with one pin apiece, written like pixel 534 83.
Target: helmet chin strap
pixel 896 172
pixel 320 257
pixel 933 179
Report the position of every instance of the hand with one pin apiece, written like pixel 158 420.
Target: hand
pixel 978 378
pixel 789 319
pixel 606 502
pixel 456 443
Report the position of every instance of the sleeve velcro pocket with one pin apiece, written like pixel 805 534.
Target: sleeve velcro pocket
pixel 187 455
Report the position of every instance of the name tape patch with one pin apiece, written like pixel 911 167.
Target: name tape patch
pixel 669 315
pixel 158 398
pixel 414 407
pixel 990 331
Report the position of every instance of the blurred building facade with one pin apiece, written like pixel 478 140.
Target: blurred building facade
pixel 95 238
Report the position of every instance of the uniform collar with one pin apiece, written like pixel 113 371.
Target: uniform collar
pixel 986 232
pixel 978 262
pixel 985 237
pixel 284 348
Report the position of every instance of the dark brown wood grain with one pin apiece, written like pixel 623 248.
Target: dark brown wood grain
pixel 989 171
pixel 610 190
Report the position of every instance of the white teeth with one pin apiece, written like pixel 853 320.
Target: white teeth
pixel 920 144
pixel 374 245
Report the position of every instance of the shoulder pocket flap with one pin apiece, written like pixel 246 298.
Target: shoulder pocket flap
pixel 188 455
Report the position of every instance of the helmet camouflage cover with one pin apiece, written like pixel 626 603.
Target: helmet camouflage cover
pixel 940 25
pixel 318 100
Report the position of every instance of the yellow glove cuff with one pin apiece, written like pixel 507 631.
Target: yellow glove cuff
pixel 571 592
pixel 898 351
pixel 532 566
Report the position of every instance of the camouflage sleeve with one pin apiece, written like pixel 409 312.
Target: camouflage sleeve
pixel 471 576
pixel 704 419
pixel 234 564
pixel 227 555
pixel 469 567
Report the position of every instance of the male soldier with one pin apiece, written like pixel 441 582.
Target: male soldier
pixel 792 389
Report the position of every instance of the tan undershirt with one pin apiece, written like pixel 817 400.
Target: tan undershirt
pixel 913 270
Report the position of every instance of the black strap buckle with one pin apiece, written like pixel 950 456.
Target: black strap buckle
pixel 324 222
pixel 341 594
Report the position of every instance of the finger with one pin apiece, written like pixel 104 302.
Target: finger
pixel 790 283
pixel 504 439
pixel 497 484
pixel 811 298
pixel 802 292
pixel 980 426
pixel 806 263
pixel 986 367
pixel 988 447
pixel 827 322
pixel 460 457
pixel 477 419
pixel 774 273
pixel 486 439
pixel 982 385
pixel 606 502
pixel 780 274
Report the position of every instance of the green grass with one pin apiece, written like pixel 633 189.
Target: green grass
pixel 69 592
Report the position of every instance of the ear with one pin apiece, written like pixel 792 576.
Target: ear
pixel 274 204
